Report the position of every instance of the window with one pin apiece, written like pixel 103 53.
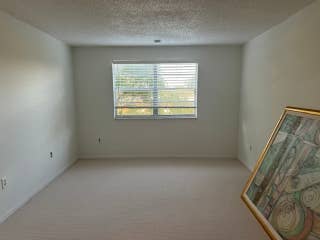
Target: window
pixel 154 90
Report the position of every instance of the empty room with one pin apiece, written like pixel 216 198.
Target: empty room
pixel 160 119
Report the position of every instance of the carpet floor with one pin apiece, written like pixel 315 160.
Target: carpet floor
pixel 150 199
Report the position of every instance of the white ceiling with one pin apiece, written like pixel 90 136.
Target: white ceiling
pixel 139 22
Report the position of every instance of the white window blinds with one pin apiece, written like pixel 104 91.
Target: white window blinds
pixel 155 90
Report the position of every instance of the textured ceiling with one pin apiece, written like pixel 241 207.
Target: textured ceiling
pixel 139 22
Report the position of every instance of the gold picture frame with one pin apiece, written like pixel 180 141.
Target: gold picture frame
pixel 283 191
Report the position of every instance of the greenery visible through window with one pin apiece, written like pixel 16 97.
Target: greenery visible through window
pixel 155 90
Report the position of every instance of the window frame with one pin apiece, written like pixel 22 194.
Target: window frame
pixel 155 109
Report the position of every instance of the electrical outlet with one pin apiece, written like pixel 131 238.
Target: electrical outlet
pixel 51 154
pixel 250 148
pixel 99 140
pixel 3 183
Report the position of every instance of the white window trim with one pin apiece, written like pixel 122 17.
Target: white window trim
pixel 155 117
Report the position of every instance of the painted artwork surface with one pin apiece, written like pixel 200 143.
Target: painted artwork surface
pixel 286 187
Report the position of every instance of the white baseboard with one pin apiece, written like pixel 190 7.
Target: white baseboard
pixel 87 157
pixel 246 165
pixel 24 201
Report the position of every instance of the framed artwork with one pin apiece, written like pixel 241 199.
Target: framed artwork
pixel 283 192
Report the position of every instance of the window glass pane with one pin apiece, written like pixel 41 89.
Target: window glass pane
pixel 135 76
pixel 134 111
pixel 176 97
pixel 176 111
pixel 131 98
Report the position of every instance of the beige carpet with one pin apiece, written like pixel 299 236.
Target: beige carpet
pixel 139 200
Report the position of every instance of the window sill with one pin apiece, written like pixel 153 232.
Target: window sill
pixel 155 117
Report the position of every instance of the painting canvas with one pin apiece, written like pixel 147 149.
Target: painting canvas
pixel 283 192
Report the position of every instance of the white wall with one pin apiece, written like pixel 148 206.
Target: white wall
pixel 213 134
pixel 280 68
pixel 37 111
